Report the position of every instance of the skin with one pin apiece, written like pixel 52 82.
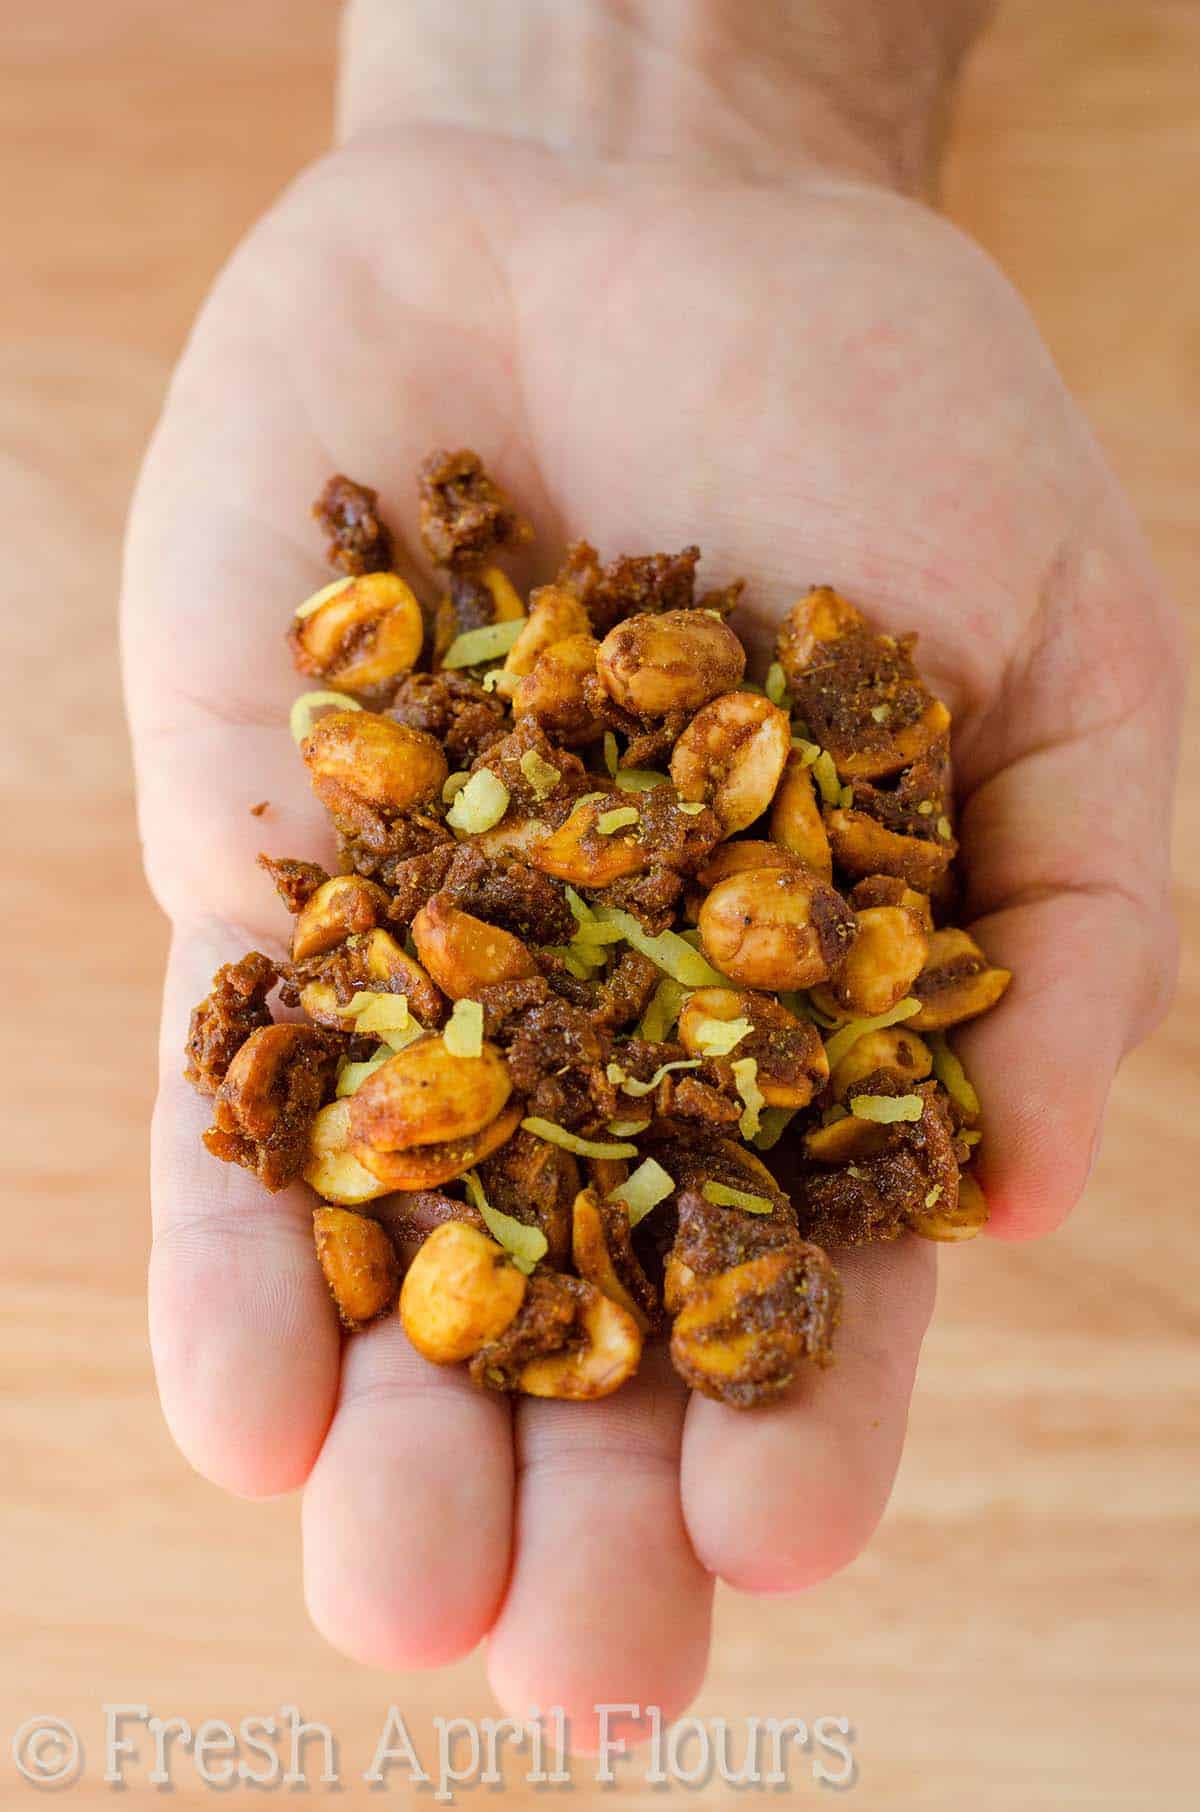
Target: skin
pixel 816 378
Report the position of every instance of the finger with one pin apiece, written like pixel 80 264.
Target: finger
pixel 408 1513
pixel 607 1602
pixel 244 1336
pixel 778 1498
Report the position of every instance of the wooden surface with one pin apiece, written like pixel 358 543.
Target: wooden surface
pixel 1023 1632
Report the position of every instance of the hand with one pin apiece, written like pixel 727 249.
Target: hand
pixel 817 380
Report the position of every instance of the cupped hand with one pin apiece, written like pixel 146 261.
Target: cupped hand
pixel 817 383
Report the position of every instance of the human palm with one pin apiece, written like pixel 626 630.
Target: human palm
pixel 818 384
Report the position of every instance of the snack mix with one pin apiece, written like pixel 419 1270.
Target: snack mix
pixel 613 930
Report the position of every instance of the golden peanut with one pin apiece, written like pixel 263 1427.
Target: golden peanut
pixel 863 846
pixel 553 691
pixel 953 1219
pixel 845 1141
pixel 360 1264
pixel 331 1168
pixel 595 1258
pixel 741 1336
pixel 460 1292
pixel 731 756
pixel 796 822
pixel 365 634
pixel 429 1166
pixel 957 982
pixel 554 615
pixel 791 1059
pixel 821 615
pixel 677 661
pixel 252 1095
pixel 884 960
pixel 465 954
pixel 513 836
pixel 340 908
pixel 893 1048
pixel 772 928
pixel 889 890
pixel 608 1357
pixel 426 1096
pixel 579 852
pixel 898 748
pixel 748 852
pixel 381 966
pixel 386 764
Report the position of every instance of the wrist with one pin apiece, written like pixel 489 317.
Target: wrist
pixel 858 87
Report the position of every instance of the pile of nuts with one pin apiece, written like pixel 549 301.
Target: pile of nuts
pixel 611 925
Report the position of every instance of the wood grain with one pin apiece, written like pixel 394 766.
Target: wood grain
pixel 1023 1630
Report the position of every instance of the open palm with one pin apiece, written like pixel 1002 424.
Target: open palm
pixel 817 384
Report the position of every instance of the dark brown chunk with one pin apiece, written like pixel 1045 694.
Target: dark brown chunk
pixel 270 1135
pixel 295 882
pixel 548 1320
pixel 556 1060
pixel 628 991
pixel 464 515
pixel 536 1183
pixel 629 584
pixel 224 1020
pixel 502 890
pixel 464 718
pixel 349 515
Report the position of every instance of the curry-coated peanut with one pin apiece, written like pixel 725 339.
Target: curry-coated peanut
pixel 790 1056
pixel 821 615
pixel 364 634
pixel 464 954
pixel 885 958
pixel 731 756
pixel 425 1095
pixel 380 966
pixel 897 748
pixel 341 907
pixel 553 691
pixel 254 1091
pixel 580 852
pixel 746 852
pixel 601 1253
pixel 331 1167
pixel 845 1141
pixel 429 1166
pixel 741 1335
pixel 892 1048
pixel 677 661
pixel 387 764
pixel 957 1219
pixel 606 1357
pixel 863 846
pixel 796 822
pixel 957 982
pixel 360 1264
pixel 774 928
pixel 554 614
pixel 459 1292
pixel 890 890
pixel 492 588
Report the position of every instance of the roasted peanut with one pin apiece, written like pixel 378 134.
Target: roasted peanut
pixel 386 764
pixel 733 858
pixel 360 1264
pixel 820 616
pixel 882 963
pixel 553 691
pixel 863 846
pixel 253 1094
pixel 607 1357
pixel 602 1253
pixel 957 982
pixel 652 665
pixel 956 1219
pixel 425 1096
pixel 363 635
pixel 340 908
pixel 579 852
pixel 894 1048
pixel 788 1051
pixel 472 600
pixel 796 822
pixel 378 965
pixel 331 1167
pixel 535 1182
pixel 731 757
pixel 845 1141
pixel 268 1099
pixel 771 928
pixel 554 614
pixel 463 953
pixel 429 1166
pixel 460 1292
pixel 889 890
pixel 741 1336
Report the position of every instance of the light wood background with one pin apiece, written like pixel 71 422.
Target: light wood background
pixel 1023 1632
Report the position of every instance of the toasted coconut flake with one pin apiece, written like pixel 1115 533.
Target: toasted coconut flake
pixel 641 780
pixel 826 777
pixel 643 1189
pixel 722 1196
pixel 668 950
pixel 717 1037
pixel 951 1074
pixel 773 1122
pixel 489 643
pixel 608 822
pixel 886 1110
pixel 629 1085
pixel 583 1148
pixel 848 1036
pixel 351 1076
pixel 542 775
pixel 664 1009
pixel 322 597
pixel 524 1244
pixel 453 786
pixel 480 804
pixel 304 710
pixel 611 752
pixel 463 1031
pixel 745 1073
pixel 627 1129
